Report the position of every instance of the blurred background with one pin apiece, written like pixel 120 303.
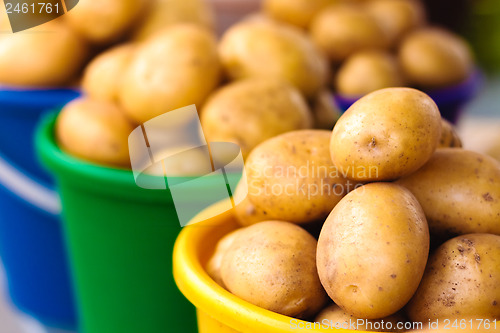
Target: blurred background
pixel 58 81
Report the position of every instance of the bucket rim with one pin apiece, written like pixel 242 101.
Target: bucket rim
pixel 97 178
pixel 36 100
pixel 206 295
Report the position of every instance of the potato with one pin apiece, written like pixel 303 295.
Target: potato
pixel 435 58
pixel 262 48
pixel 214 264
pixel 296 12
pixel 273 265
pixel 250 111
pixel 372 250
pixel 46 56
pixel 94 131
pixel 398 17
pixel 325 111
pixel 342 30
pixel 461 280
pixel 459 192
pixel 385 135
pixel 333 316
pixel 367 71
pixel 103 76
pixel 165 13
pixel 246 212
pixel 176 68
pixel 5 27
pixel 105 21
pixel 449 136
pixel 181 161
pixel 291 177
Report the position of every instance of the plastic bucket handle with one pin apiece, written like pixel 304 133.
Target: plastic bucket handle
pixel 28 189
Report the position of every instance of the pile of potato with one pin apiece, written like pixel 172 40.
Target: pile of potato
pixel 337 224
pixel 383 192
pixel 269 74
pixel 375 44
pixel 263 78
pixel 53 54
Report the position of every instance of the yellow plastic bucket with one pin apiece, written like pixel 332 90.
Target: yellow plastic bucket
pixel 218 310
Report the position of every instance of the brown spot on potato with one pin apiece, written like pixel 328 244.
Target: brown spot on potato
pixel 448 301
pixel 477 257
pixel 353 288
pixel 494 303
pixel 468 242
pixel 487 197
pixel 393 276
pixel 372 143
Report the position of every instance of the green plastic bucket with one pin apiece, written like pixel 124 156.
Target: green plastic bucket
pixel 120 240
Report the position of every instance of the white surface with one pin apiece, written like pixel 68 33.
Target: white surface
pixel 479 128
pixel 480 134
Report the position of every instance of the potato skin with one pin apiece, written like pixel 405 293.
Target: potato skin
pixel 105 21
pixel 325 110
pixel 250 111
pixel 342 30
pixel 215 262
pixel 95 131
pixel 386 134
pixel 296 12
pixel 367 71
pixel 461 281
pixel 263 48
pixel 372 250
pixel 273 265
pixel 449 136
pixel 435 58
pixel 176 68
pixel 245 212
pixel 103 75
pixel 334 314
pixel 165 13
pixel 49 55
pixel 459 192
pixel 398 17
pixel 291 177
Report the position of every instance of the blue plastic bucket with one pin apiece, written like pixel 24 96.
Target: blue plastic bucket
pixel 20 111
pixel 31 241
pixel 450 100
